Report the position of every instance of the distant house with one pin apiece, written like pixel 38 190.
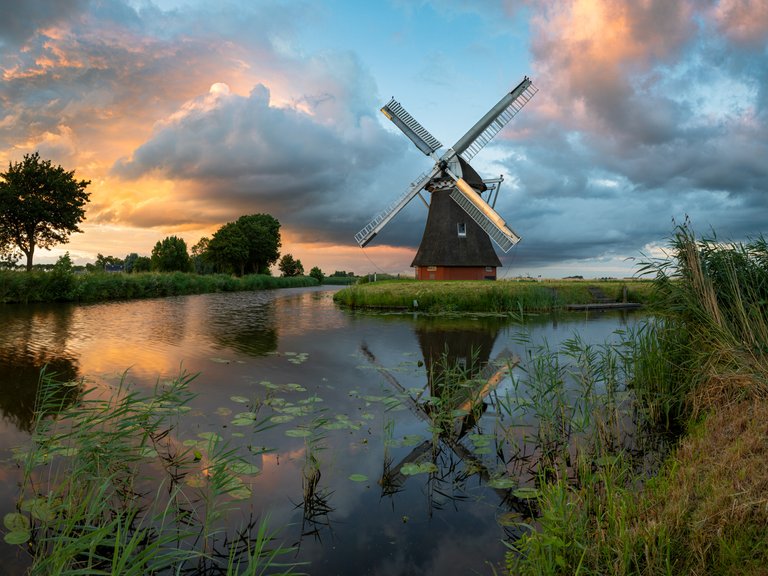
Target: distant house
pixel 114 268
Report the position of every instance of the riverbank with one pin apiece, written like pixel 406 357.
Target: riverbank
pixel 26 287
pixel 502 297
pixel 703 370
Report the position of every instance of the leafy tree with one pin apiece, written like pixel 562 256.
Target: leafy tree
pixel 201 257
pixel 171 255
pixel 142 264
pixel 102 262
pixel 228 249
pixel 317 274
pixel 262 237
pixel 135 263
pixel 250 245
pixel 8 256
pixel 342 274
pixel 41 205
pixel 291 266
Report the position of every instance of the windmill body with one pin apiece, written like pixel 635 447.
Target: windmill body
pixel 456 244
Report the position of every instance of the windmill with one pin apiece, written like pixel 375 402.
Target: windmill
pixel 460 224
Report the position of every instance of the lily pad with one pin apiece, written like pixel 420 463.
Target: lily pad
pixel 502 483
pixel 526 493
pixel 242 422
pixel 39 508
pixel 411 440
pixel 358 477
pixel 210 436
pixel 17 537
pixel 239 399
pixel 281 418
pixel 220 360
pixel 222 411
pixel 244 468
pixel 14 521
pixel 298 433
pixel 412 468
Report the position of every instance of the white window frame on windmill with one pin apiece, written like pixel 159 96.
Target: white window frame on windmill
pixel 461 229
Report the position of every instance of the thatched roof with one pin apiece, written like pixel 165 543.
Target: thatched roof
pixel 441 244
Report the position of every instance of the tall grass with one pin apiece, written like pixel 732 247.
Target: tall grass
pixel 108 489
pixel 700 367
pixel 58 286
pixel 499 297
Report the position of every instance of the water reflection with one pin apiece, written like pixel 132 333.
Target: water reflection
pixel 247 325
pixel 459 374
pixel 33 339
pixel 295 360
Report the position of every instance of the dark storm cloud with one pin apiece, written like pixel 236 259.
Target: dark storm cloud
pixel 20 20
pixel 248 155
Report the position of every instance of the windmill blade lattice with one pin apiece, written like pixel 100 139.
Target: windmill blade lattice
pixel 380 220
pixel 488 219
pixel 496 118
pixel 416 132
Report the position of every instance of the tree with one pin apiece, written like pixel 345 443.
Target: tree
pixel 228 249
pixel 250 245
pixel 105 263
pixel 171 255
pixel 262 236
pixel 290 266
pixel 317 274
pixel 41 205
pixel 142 264
pixel 201 257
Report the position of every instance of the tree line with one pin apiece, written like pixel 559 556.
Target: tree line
pixel 42 205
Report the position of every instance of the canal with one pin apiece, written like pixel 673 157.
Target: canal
pixel 354 394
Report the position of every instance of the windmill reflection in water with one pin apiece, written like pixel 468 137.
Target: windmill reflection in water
pixel 461 375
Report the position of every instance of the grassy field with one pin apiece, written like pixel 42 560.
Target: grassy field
pixel 483 296
pixel 55 286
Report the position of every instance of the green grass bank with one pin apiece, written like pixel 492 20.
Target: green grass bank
pixel 55 286
pixel 482 296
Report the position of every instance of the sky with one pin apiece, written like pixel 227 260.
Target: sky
pixel 187 114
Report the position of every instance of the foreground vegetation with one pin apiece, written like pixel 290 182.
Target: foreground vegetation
pixel 64 286
pixel 109 489
pixel 483 296
pixel 702 369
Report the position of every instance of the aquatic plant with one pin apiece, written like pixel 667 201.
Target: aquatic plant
pixel 701 366
pixel 109 489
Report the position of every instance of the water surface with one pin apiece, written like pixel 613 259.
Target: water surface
pixel 304 364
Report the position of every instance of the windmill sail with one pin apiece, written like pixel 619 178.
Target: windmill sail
pixel 416 132
pixel 496 118
pixel 485 216
pixel 367 234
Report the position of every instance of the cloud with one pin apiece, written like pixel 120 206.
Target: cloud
pixel 188 117
pixel 21 20
pixel 310 164
pixel 662 101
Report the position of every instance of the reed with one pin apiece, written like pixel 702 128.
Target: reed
pixel 699 367
pixel 25 287
pixel 108 489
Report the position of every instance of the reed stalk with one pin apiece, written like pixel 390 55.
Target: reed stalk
pixel 109 489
